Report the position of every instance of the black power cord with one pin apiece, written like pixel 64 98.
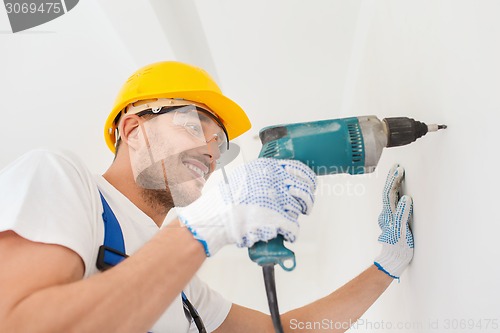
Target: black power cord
pixel 272 299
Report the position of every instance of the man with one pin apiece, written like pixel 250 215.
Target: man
pixel 169 126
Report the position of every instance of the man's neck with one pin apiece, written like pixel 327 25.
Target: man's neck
pixel 120 176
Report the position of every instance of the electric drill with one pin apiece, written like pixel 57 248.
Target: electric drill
pixel 348 145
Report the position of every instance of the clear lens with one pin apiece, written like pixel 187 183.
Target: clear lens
pixel 201 126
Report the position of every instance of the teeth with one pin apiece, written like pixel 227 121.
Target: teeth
pixel 195 169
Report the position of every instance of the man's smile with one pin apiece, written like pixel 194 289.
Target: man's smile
pixel 198 168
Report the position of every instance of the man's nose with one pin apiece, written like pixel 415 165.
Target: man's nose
pixel 213 148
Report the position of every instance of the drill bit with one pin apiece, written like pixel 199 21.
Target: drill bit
pixel 435 127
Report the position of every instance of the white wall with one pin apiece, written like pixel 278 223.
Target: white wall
pixel 437 61
pixel 53 78
pixel 58 81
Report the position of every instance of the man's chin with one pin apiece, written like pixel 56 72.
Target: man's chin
pixel 185 194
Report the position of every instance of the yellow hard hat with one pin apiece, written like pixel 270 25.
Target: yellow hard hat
pixel 172 79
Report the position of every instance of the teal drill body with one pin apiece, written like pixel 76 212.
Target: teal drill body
pixel 326 146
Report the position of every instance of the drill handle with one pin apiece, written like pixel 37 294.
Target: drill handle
pixel 271 253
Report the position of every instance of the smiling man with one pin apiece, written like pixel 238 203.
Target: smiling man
pixel 90 253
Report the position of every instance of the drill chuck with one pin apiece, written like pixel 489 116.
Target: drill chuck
pixel 402 130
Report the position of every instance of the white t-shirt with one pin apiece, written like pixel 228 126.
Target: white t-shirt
pixel 51 197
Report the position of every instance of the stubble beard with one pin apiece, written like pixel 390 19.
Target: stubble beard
pixel 160 200
pixel 163 193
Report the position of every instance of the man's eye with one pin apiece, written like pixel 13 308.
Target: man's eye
pixel 218 139
pixel 194 129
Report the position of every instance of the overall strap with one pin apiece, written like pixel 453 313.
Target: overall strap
pixel 192 314
pixel 112 252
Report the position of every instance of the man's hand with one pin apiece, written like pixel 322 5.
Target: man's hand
pixel 396 237
pixel 260 200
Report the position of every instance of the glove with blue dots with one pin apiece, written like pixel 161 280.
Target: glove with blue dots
pixel 260 199
pixel 396 237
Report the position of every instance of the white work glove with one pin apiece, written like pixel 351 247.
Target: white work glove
pixel 396 237
pixel 262 198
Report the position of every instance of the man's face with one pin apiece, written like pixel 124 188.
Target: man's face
pixel 177 152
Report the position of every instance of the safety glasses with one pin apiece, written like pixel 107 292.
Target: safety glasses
pixel 198 122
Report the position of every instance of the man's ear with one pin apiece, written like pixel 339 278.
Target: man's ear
pixel 129 130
